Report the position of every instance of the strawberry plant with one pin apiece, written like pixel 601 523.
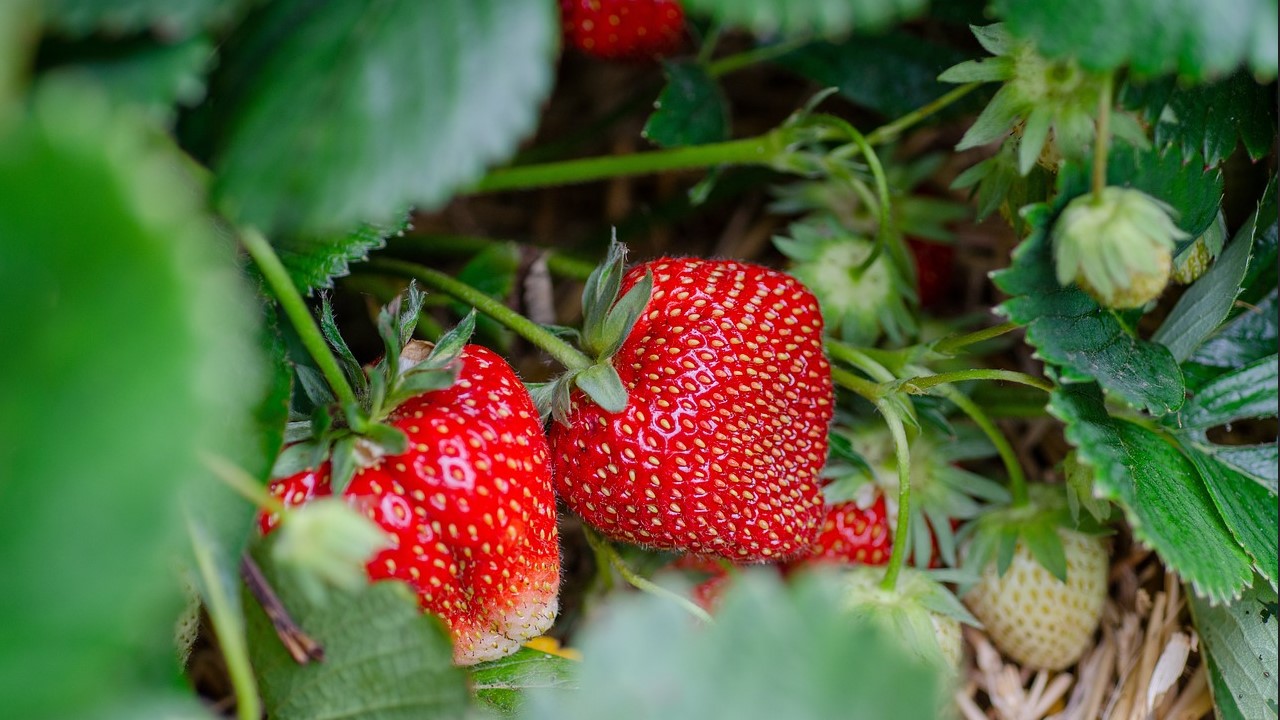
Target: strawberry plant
pixel 638 358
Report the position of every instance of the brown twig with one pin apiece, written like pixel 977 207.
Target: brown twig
pixel 301 646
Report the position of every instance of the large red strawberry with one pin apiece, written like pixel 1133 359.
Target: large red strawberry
pixel 468 507
pixel 623 29
pixel 724 428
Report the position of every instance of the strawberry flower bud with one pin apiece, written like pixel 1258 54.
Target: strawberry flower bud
pixel 1117 246
pixel 328 543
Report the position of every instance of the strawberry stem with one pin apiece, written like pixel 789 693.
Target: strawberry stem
pixel 242 482
pixel 890 131
pixel 604 548
pixel 902 524
pixel 1103 142
pixel 950 344
pixel 564 353
pixel 765 53
pixel 291 301
pixel 1017 480
pixel 918 385
pixel 228 625
pixel 865 389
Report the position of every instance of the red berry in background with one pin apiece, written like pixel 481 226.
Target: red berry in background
pixel 719 446
pixel 855 535
pixel 469 508
pixel 623 29
pixel 935 271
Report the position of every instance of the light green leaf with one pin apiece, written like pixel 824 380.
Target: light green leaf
pixel 383 658
pixel 1241 642
pixel 1249 392
pixel 501 684
pixel 601 383
pixel 1207 302
pixel 136 355
pixel 826 18
pixel 347 112
pixel 692 109
pixel 1249 510
pixel 773 652
pixel 1160 490
pixel 118 17
pixel 1197 38
pixel 1257 462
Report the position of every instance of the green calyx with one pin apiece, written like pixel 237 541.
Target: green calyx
pixel 860 296
pixel 1117 245
pixel 327 543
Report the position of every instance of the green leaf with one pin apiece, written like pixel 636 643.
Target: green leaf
pixel 601 383
pixel 773 652
pixel 133 354
pixel 1161 491
pixel 1240 640
pixel 1249 510
pixel 892 73
pixel 1046 547
pixel 314 261
pixel 347 112
pixel 1206 303
pixel 1085 341
pixel 1257 462
pixel 501 684
pixel 1198 39
pixel 1250 336
pixel 118 17
pixel 1208 120
pixel 828 18
pixel 1249 392
pixel 383 658
pixel 692 109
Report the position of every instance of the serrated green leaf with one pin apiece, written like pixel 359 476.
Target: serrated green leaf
pixel 1160 490
pixel 1208 120
pixel 1240 640
pixel 1257 462
pixel 340 113
pixel 1088 343
pixel 827 18
pixel 1198 39
pixel 118 17
pixel 1250 336
pixel 603 386
pixel 314 261
pixel 1206 303
pixel 1249 510
pixel 1249 392
pixel 133 353
pixel 501 684
pixel 691 110
pixel 383 658
pixel 774 652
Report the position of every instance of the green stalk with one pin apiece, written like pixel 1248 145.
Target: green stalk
pixel 602 547
pixel 884 133
pixel 765 53
pixel 759 150
pixel 564 353
pixel 228 626
pixel 855 357
pixel 1017 479
pixel 902 451
pixel 952 343
pixel 864 388
pixel 882 187
pixel 918 385
pixel 244 484
pixel 299 315
pixel 1102 144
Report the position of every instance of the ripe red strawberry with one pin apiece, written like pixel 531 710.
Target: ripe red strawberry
pixel 935 271
pixel 724 429
pixel 469 508
pixel 623 29
pixel 856 535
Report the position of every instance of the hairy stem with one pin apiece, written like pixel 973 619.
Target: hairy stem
pixel 228 626
pixel 902 451
pixel 918 385
pixel 863 387
pixel 564 353
pixel 1102 144
pixel 855 357
pixel 1017 479
pixel 602 547
pixel 952 343
pixel 299 315
pixel 884 133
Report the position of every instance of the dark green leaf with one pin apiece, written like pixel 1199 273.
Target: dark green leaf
pixel 1261 279
pixel 1250 336
pixel 1209 120
pixel 347 112
pixel 1087 342
pixel 502 683
pixel 314 386
pixel 1196 38
pixel 773 652
pixel 1240 640
pixel 601 383
pixel 1249 510
pixel 389 437
pixel 384 659
pixel 314 261
pixel 692 109
pixel 1257 462
pixel 1206 304
pixel 132 355
pixel 118 17
pixel 892 74
pixel 1249 392
pixel 1161 491
pixel 829 18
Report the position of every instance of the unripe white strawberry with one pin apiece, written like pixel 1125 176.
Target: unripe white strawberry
pixel 1035 618
pixel 918 610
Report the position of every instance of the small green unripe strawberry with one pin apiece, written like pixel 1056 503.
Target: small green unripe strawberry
pixel 1117 246
pixel 1037 619
pixel 920 611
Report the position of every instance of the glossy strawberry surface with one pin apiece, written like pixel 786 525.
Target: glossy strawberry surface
pixel 623 29
pixel 725 428
pixel 469 509
pixel 853 534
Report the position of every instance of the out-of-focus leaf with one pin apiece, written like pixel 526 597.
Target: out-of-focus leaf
pixel 827 18
pixel 501 684
pixel 1240 640
pixel 135 355
pixel 692 109
pixel 383 658
pixel 1209 120
pixel 118 17
pixel 773 652
pixel 346 112
pixel 1199 39
pixel 1160 490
